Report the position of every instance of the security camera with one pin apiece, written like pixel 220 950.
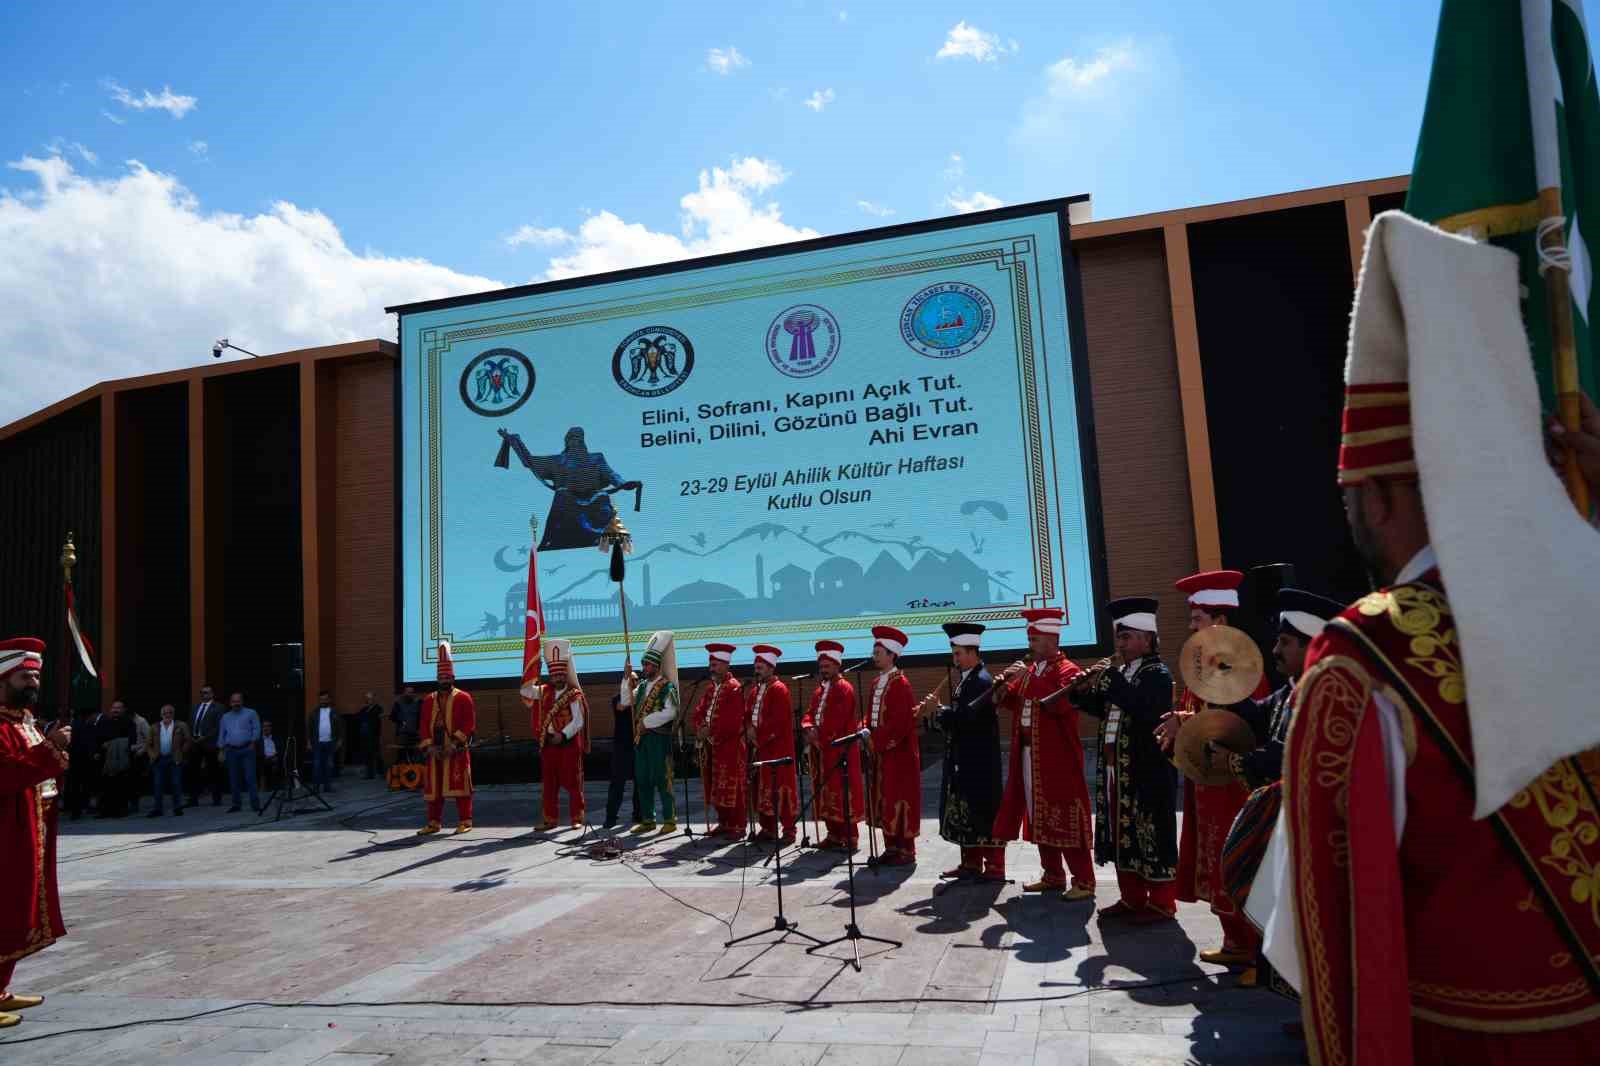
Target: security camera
pixel 216 349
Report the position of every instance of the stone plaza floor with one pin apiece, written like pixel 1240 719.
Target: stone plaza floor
pixel 340 938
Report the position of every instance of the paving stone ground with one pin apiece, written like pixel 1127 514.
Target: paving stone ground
pixel 340 938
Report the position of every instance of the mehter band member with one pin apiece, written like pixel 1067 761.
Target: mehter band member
pixel 563 732
pixel 655 708
pixel 1441 774
pixel 895 750
pixel 448 723
pixel 30 768
pixel 770 732
pixel 718 723
pixel 1135 787
pixel 1301 618
pixel 831 715
pixel 1047 797
pixel 1209 810
pixel 970 790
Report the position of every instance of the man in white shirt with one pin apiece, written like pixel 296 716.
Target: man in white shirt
pixel 320 742
pixel 165 746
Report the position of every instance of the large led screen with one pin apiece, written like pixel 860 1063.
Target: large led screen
pixel 805 441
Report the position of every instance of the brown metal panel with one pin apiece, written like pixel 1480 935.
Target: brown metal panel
pixel 1085 231
pixel 360 548
pixel 108 547
pixel 1139 424
pixel 1192 390
pixel 197 533
pixel 310 529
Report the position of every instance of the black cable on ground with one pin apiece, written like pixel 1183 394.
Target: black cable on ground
pixel 797 1004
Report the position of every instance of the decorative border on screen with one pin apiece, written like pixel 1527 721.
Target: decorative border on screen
pixel 1014 260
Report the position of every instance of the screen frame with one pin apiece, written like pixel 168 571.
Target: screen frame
pixel 1077 335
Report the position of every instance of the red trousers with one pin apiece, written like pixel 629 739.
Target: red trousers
pixel 1077 859
pixel 561 767
pixel 1137 892
pixel 769 823
pixel 980 859
pixel 731 819
pixel 850 834
pixel 1238 933
pixel 463 810
pixel 904 845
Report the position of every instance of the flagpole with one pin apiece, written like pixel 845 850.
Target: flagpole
pixel 69 559
pixel 1554 266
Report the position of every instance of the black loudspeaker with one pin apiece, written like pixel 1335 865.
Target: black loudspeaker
pixel 289 666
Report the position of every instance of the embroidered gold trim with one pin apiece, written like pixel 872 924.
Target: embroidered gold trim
pixel 1520 1025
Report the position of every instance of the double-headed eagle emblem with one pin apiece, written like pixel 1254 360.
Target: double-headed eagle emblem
pixel 653 357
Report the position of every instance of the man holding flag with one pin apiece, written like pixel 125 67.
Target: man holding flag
pixel 561 723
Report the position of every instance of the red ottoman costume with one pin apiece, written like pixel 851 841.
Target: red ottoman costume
pixel 832 713
pixel 1047 795
pixel 719 716
pixel 448 722
pixel 767 710
pixel 561 722
pixel 896 754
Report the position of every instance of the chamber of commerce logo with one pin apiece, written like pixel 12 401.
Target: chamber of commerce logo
pixel 803 340
pixel 947 320
pixel 653 361
pixel 497 382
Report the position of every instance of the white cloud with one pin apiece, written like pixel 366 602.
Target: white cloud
pixel 1071 76
pixel 725 61
pixel 108 277
pixel 200 149
pixel 114 118
pixel 820 99
pixel 969 42
pixel 962 204
pixel 876 210
pixel 844 16
pixel 61 146
pixel 174 104
pixel 726 213
pixel 537 237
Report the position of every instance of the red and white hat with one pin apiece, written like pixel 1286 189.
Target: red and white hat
pixel 20 653
pixel 766 653
pixel 830 649
pixel 558 657
pixel 447 665
pixel 722 653
pixel 893 640
pixel 1213 588
pixel 1044 621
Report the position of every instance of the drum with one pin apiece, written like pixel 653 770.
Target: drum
pixel 1246 843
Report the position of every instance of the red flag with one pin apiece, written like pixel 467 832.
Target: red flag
pixel 532 635
pixel 81 642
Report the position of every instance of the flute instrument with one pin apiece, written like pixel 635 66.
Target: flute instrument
pixel 929 701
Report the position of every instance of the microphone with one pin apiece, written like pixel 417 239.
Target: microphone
pixel 851 738
pixel 785 761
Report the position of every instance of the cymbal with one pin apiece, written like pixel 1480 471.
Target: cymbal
pixel 1222 728
pixel 1220 664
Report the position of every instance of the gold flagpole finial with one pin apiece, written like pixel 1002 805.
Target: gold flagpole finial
pixel 69 556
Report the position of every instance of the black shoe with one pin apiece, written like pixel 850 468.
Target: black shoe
pixel 232 810
pixel 155 814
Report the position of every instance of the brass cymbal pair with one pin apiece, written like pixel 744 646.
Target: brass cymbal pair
pixel 1221 665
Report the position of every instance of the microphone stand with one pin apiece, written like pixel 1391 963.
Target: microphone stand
pixel 852 931
pixel 800 778
pixel 780 924
pixel 684 741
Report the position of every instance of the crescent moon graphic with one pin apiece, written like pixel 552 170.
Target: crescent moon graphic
pixel 501 564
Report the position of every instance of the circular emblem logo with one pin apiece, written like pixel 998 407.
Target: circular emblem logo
pixel 947 320
pixel 653 361
pixel 497 382
pixel 803 340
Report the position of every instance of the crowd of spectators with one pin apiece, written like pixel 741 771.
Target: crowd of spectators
pixel 119 756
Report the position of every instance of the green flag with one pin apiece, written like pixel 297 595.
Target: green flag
pixel 1512 108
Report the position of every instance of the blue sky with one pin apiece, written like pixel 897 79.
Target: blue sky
pixel 300 166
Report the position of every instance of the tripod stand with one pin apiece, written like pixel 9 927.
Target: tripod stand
pixel 291 789
pixel 780 924
pixel 852 931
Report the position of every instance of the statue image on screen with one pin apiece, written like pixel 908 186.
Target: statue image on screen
pixel 582 482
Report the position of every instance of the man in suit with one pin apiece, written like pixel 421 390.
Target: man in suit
pixel 165 748
pixel 205 766
pixel 322 731
pixel 82 771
